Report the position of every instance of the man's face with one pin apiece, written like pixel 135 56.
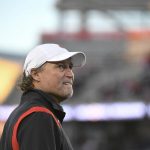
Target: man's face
pixel 56 78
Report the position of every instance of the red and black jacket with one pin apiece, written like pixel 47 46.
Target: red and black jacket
pixel 35 125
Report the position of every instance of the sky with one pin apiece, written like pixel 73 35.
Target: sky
pixel 22 22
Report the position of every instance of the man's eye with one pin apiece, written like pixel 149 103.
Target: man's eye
pixel 61 66
pixel 70 66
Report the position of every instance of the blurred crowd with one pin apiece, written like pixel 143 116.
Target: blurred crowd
pixel 137 88
pixel 115 80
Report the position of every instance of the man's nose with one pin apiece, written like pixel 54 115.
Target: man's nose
pixel 69 73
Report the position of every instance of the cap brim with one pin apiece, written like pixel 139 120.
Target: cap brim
pixel 78 58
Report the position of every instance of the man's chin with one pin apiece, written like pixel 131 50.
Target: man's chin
pixel 62 98
pixel 65 97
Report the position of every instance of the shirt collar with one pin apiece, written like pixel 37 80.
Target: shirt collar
pixel 47 100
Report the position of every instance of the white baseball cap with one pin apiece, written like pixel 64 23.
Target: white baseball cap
pixel 51 53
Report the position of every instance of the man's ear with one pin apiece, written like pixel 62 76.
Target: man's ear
pixel 35 75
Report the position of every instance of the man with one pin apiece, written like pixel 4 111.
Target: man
pixel 47 80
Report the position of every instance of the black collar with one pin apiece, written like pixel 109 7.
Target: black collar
pixel 45 99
